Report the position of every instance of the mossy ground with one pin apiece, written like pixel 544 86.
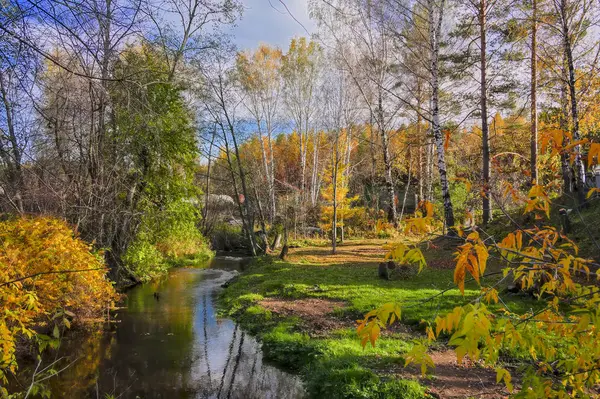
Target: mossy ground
pixel 335 365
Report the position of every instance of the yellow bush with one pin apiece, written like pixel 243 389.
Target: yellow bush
pixel 45 270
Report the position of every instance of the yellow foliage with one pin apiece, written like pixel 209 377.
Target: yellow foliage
pixel 503 375
pixel 538 200
pixel 45 271
pixel 405 255
pixel 369 328
pixel 592 191
pixel 472 257
pixel 594 151
pixel 560 338
pixel 418 355
pixel 344 209
pixel 422 222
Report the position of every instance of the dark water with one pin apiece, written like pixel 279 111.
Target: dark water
pixel 174 347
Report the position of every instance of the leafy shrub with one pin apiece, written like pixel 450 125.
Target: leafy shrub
pixel 144 259
pixel 46 271
pixel 164 237
pixel 177 233
pixel 384 229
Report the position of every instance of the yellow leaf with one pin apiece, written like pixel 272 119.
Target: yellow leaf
pixel 594 151
pixel 503 375
pixel 491 295
pixel 429 208
pixel 591 192
pixel 474 236
pixel 584 321
pixel 482 256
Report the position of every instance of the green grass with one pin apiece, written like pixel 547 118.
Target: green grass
pixel 359 286
pixel 337 366
pixel 200 259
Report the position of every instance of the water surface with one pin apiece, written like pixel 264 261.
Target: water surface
pixel 174 346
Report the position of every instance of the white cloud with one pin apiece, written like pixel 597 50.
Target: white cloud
pixel 268 21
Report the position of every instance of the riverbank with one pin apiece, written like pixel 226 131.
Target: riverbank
pixel 168 342
pixel 304 312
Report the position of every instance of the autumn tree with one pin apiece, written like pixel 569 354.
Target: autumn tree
pixel 421 31
pixel 259 74
pixel 300 72
pixel 574 18
pixel 490 66
pixel 435 16
pixel 221 100
pixel 338 118
pixel 565 29
pixel 364 45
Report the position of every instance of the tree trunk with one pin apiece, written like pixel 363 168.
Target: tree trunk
pixel 429 166
pixel 434 35
pixel 272 197
pixel 314 187
pixel 12 156
pixel 420 170
pixel 387 161
pixel 265 161
pixel 246 203
pixel 303 150
pixel 407 183
pixel 485 134
pixel 334 170
pixel 579 167
pixel 205 226
pixel 262 221
pixel 567 174
pixel 534 118
pixel 373 177
pixel 242 204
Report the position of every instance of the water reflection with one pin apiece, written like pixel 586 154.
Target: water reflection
pixel 173 346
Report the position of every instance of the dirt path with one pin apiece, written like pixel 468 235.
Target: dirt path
pixel 320 317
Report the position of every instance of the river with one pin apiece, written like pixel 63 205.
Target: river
pixel 172 346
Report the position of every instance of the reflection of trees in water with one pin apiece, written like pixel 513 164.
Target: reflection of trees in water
pixel 229 353
pixel 235 366
pixel 246 376
pixel 175 347
pixel 83 365
pixel 205 331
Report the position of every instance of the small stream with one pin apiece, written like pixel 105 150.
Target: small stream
pixel 173 346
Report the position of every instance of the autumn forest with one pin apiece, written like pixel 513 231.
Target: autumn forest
pixel 402 202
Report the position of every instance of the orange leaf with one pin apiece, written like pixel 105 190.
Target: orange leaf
pixel 447 140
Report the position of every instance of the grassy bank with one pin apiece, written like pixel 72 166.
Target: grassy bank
pixel 304 312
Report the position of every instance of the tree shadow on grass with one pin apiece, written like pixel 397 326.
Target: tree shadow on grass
pixel 336 365
pixel 421 295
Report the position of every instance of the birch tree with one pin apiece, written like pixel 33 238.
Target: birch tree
pixel 260 77
pixel 573 22
pixel 363 43
pixel 300 71
pixel 435 15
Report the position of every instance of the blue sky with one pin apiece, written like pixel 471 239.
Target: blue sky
pixel 268 21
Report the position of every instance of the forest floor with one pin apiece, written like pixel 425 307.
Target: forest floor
pixel 304 310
